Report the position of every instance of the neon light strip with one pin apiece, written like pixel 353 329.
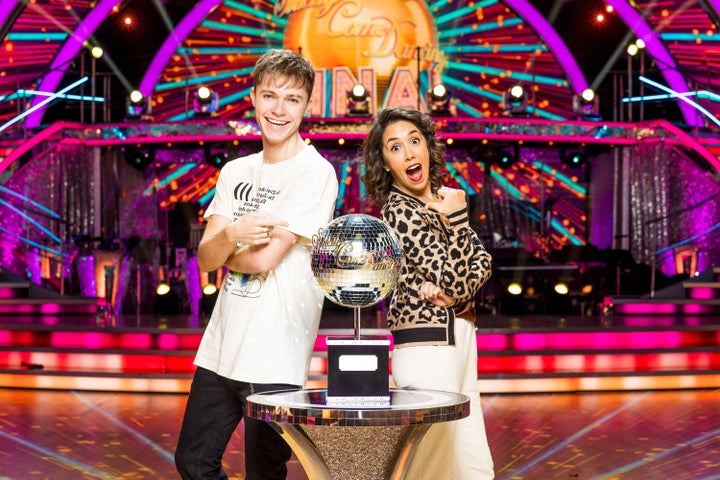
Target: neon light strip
pixel 222 50
pixel 459 178
pixel 463 11
pixel 173 176
pixel 22 92
pixel 31 220
pixel 689 37
pixel 199 80
pixel 713 97
pixel 37 37
pixel 29 200
pixel 254 13
pixel 499 72
pixel 207 197
pixel 579 189
pixel 40 105
pixel 533 47
pixel 34 244
pixel 69 50
pixel 696 105
pixel 223 101
pixel 259 32
pixel 186 26
pixel 655 47
pixel 688 240
pixel 456 32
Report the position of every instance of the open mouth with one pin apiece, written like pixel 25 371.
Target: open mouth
pixel 414 173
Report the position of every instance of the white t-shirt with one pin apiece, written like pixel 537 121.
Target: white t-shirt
pixel 263 326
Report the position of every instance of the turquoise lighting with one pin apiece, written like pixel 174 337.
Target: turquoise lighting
pixel 514 192
pixel 470 10
pixel 199 80
pixel 37 224
pixel 520 76
pixel 255 13
pixel 697 106
pixel 222 50
pixel 179 172
pixel 256 32
pixel 457 32
pixel 342 184
pixel 458 178
pixel 22 93
pixel 205 199
pixel 30 201
pixel 576 187
pixel 494 48
pixel 688 37
pixel 37 36
pixel 42 103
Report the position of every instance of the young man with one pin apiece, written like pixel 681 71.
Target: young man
pixel 266 208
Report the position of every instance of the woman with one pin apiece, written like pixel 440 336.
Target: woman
pixel 432 312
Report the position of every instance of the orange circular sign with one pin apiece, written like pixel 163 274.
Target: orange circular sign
pixel 379 34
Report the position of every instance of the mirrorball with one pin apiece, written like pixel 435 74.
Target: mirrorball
pixel 356 260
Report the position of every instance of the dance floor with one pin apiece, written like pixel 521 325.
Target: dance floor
pixel 72 435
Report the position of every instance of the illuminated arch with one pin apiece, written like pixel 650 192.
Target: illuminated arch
pixel 69 50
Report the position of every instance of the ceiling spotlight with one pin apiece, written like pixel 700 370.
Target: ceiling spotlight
pixel 561 288
pixel 205 102
pixel 137 106
pixel 358 101
pixel 139 159
pixel 439 100
pixel 515 101
pixel 573 156
pixel 586 105
pixel 514 288
pixel 97 52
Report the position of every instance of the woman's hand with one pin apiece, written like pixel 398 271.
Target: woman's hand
pixel 432 293
pixel 253 229
pixel 451 201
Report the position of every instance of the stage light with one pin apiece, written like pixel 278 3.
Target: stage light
pixel 97 52
pixel 586 105
pixel 514 288
pixel 507 155
pixel 137 106
pixel 515 101
pixel 561 288
pixel 139 158
pixel 438 99
pixel 205 102
pixel 217 156
pixel 573 156
pixel 358 101
pixel 163 288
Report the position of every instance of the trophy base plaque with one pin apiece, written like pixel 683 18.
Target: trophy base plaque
pixel 358 371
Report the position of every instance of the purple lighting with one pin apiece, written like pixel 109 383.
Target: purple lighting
pixel 6 8
pixel 553 41
pixel 170 45
pixel 656 48
pixel 69 50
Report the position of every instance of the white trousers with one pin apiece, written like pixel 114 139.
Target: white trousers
pixel 456 450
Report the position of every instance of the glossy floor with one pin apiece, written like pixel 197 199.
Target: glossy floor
pixel 675 435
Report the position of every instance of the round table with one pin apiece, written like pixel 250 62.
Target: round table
pixel 359 442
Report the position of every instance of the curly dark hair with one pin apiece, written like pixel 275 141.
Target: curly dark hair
pixel 285 65
pixel 376 178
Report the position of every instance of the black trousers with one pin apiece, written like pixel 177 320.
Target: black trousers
pixel 215 407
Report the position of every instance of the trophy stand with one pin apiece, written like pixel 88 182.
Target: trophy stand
pixel 356 261
pixel 358 372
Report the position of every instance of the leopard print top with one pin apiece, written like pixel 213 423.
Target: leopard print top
pixel 450 256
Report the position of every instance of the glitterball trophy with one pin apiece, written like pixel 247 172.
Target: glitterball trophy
pixel 356 260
